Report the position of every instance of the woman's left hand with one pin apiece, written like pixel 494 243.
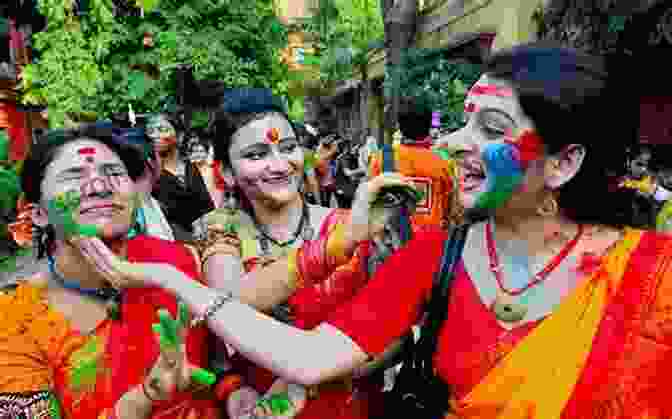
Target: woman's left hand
pixel 119 273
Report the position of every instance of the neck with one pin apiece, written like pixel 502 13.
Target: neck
pixel 281 222
pixel 169 160
pixel 540 233
pixel 69 264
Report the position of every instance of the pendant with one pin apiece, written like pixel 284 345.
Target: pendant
pixel 507 310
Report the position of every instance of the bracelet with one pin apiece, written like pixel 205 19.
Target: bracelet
pixel 212 308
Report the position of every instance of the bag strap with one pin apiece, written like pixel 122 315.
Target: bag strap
pixel 437 309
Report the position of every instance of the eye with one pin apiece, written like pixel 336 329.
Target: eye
pixel 288 147
pixel 255 155
pixel 390 200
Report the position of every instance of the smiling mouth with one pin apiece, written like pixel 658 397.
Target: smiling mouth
pixel 473 176
pixel 102 210
pixel 284 180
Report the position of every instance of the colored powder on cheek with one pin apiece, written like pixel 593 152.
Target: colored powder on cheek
pixel 504 174
pixel 529 148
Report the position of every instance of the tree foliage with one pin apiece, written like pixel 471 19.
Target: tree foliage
pixel 347 30
pixel 437 82
pixel 94 61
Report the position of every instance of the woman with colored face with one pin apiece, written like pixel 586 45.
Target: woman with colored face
pixel 557 309
pixel 77 342
pixel 180 180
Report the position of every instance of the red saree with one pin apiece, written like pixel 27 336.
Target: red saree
pixel 327 282
pixel 89 373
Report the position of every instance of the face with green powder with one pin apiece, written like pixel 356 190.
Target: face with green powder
pixel 86 183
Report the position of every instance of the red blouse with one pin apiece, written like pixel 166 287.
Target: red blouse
pixel 471 340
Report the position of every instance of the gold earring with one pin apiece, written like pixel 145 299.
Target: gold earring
pixel 549 207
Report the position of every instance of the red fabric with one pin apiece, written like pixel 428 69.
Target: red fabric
pixel 399 284
pixel 220 183
pixel 17 131
pixel 133 347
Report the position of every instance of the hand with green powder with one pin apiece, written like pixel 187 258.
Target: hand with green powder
pixel 172 372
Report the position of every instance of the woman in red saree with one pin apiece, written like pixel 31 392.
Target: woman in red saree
pixel 557 310
pixel 71 345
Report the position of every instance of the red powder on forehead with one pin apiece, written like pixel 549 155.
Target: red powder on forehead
pixel 491 90
pixel 86 151
pixel 470 107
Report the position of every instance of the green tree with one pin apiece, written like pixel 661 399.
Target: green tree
pixel 93 62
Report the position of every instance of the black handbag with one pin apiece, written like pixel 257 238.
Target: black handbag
pixel 418 393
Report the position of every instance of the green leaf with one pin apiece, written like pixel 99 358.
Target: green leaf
pixel 148 5
pixel 138 84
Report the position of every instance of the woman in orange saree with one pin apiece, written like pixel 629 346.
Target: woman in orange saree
pixel 71 345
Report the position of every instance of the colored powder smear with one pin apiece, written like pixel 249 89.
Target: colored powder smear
pixel 61 216
pixel 505 165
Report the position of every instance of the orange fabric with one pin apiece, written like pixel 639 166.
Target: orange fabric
pixel 434 177
pixel 89 373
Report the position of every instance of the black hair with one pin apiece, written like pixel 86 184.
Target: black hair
pixel 240 107
pixel 50 145
pixel 575 98
pixel 415 119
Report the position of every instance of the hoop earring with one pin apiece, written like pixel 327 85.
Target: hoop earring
pixel 549 207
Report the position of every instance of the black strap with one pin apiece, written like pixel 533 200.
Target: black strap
pixel 437 309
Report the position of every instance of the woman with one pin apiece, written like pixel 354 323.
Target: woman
pixel 71 342
pixel 263 163
pixel 199 156
pixel 601 293
pixel 179 182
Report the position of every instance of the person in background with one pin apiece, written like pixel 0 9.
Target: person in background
pixel 311 184
pixel 325 168
pixel 180 182
pixel 641 181
pixel 434 176
pixel 664 196
pixel 200 156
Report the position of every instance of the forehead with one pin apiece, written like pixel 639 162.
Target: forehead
pixel 255 131
pixel 75 153
pixel 489 92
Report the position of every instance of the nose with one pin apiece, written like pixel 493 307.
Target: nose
pixel 461 142
pixel 98 186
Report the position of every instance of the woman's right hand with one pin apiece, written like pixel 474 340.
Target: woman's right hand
pixel 366 194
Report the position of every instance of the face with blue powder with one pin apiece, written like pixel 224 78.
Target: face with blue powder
pixel 504 164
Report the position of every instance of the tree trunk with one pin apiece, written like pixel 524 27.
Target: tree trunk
pixel 400 22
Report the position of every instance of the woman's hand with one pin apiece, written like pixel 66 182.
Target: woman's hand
pixel 366 194
pixel 172 372
pixel 281 401
pixel 119 273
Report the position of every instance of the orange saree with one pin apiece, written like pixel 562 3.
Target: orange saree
pixel 88 373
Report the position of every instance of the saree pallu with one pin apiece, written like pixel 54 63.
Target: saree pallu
pixel 89 373
pixel 612 339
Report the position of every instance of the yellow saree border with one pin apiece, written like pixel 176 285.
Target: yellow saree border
pixel 517 388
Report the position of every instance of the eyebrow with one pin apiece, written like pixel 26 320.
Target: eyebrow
pixel 80 169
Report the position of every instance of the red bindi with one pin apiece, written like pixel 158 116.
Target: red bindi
pixel 86 151
pixel 273 136
pixel 490 90
pixel 470 108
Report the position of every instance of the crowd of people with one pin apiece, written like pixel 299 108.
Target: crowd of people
pixel 254 271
